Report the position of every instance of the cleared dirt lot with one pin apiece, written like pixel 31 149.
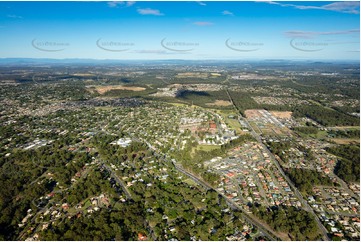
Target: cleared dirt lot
pixel 345 141
pixel 283 115
pixel 104 89
pixel 220 103
pixel 252 113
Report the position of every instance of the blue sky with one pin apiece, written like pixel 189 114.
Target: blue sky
pixel 180 30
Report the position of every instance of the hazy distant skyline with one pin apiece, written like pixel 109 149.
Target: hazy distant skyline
pixel 180 30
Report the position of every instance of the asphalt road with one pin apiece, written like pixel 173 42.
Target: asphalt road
pixel 120 182
pixel 261 228
pixel 305 205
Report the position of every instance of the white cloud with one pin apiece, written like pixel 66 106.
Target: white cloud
pixel 311 34
pixel 203 23
pixel 226 12
pixel 130 3
pixel 201 3
pixel 14 16
pixel 149 11
pixel 343 7
pixel 116 4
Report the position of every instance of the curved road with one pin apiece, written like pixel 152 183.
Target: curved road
pixel 199 181
pixel 120 182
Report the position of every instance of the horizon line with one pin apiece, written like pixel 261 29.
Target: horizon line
pixel 210 59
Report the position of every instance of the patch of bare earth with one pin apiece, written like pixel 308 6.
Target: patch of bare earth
pixel 220 103
pixel 345 141
pixel 252 113
pixel 104 89
pixel 282 115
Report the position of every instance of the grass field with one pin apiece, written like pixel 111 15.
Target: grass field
pixel 320 134
pixel 87 203
pixel 345 127
pixel 345 141
pixel 179 104
pixel 204 148
pixel 221 103
pixel 233 123
pixel 207 147
pixel 104 108
pixel 190 182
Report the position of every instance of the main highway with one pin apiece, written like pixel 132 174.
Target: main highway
pixel 305 205
pixel 265 231
pixel 262 229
